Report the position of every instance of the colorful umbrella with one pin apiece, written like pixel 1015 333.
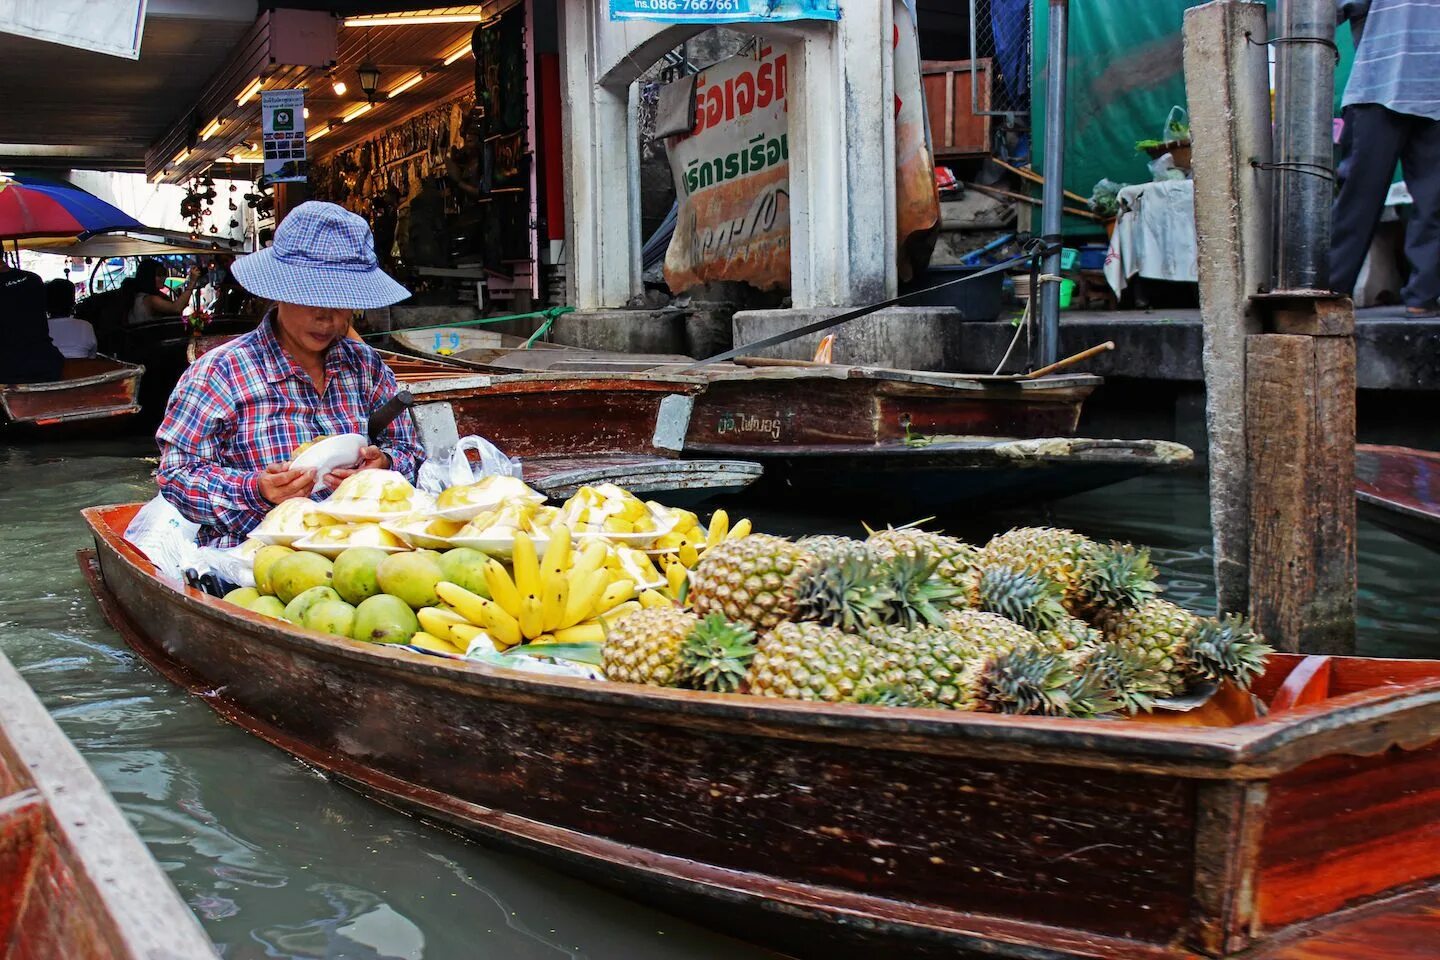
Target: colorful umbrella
pixel 35 207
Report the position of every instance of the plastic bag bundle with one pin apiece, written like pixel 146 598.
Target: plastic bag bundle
pixel 165 537
pixel 455 468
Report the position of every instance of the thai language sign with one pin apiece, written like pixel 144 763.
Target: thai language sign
pixel 282 127
pixel 724 11
pixel 732 178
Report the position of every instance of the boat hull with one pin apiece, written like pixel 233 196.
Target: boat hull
pixel 1399 489
pixel 76 883
pixel 841 830
pixel 100 389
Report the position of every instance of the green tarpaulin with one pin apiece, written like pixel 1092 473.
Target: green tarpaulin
pixel 1126 72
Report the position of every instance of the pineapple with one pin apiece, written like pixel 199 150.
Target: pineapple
pixel 810 661
pixel 754 580
pixel 1115 577
pixel 1047 552
pixel 918 595
pixel 1035 603
pixel 955 558
pixel 716 654
pixel 1112 677
pixel 990 665
pixel 845 588
pixel 645 646
pixel 1183 648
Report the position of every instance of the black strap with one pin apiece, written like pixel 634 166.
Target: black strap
pixel 829 322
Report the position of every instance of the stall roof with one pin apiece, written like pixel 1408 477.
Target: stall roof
pixel 72 108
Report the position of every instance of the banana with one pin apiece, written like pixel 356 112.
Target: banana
pixel 463 634
pixel 482 612
pixel 688 556
pixel 554 579
pixel 592 631
pixel 677 578
pixel 527 566
pixel 741 529
pixel 552 605
pixel 623 610
pixel 557 553
pixel 584 594
pixel 592 558
pixel 618 592
pixel 651 599
pixel 532 617
pixel 438 643
pixel 502 589
pixel 437 622
pixel 719 526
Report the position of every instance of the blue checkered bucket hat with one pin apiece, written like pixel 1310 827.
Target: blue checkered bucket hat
pixel 323 256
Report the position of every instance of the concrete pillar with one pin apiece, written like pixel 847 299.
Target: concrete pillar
pixel 1227 79
pixel 842 159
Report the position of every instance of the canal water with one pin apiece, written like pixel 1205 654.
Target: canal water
pixel 280 863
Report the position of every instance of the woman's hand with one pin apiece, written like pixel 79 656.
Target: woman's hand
pixel 279 483
pixel 371 458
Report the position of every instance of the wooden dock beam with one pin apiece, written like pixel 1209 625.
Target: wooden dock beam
pixel 1279 368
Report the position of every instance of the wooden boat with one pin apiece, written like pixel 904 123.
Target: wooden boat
pixel 858 831
pixel 919 439
pixel 76 883
pixel 98 389
pixel 502 353
pixel 1399 489
pixel 572 430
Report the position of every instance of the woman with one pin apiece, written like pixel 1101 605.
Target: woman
pixel 151 298
pixel 241 409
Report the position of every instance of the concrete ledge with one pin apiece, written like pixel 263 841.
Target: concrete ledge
pixel 921 338
pixel 623 331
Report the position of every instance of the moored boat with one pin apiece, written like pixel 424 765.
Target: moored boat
pixel 846 830
pixel 76 883
pixel 1399 489
pixel 97 389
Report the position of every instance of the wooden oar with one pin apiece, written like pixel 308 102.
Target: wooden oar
pixel 1105 347
pixel 1025 173
pixel 1011 195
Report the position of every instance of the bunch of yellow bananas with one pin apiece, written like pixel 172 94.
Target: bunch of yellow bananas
pixel 562 597
pixel 688 540
pixel 607 508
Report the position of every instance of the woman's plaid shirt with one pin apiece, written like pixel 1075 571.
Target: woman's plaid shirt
pixel 246 405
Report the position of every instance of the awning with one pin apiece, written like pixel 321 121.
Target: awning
pixel 106 245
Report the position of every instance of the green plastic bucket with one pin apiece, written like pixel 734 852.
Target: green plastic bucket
pixel 1067 290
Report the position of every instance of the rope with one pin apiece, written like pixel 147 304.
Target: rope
pixel 1025 318
pixel 551 315
pixel 1297 166
pixel 1335 49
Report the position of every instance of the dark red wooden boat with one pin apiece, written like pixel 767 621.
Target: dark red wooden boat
pixel 99 389
pixel 911 439
pixel 76 883
pixel 853 831
pixel 1399 489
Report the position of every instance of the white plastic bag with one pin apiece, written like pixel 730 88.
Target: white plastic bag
pixel 455 468
pixel 227 563
pixel 165 537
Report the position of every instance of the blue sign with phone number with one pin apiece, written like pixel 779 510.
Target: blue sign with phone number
pixel 724 11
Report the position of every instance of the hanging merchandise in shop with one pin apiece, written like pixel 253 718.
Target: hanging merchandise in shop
pixel 282 114
pixel 724 11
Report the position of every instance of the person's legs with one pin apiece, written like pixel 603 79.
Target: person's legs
pixel 1376 137
pixel 1420 162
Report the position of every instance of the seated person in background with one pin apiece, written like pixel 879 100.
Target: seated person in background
pixel 149 297
pixel 75 339
pixel 239 412
pixel 28 355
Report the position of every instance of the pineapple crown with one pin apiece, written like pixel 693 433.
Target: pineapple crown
pixel 1113 678
pixel 1228 649
pixel 1032 601
pixel 1026 680
pixel 716 654
pixel 885 695
pixel 916 590
pixel 1118 576
pixel 845 588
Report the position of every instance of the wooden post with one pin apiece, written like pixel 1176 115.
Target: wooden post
pixel 1228 83
pixel 288 196
pixel 1300 425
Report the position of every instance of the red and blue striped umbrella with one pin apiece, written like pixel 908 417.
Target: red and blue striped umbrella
pixel 35 207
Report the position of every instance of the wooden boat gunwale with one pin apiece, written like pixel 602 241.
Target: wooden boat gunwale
pixel 125 908
pixel 1193 751
pixel 1413 517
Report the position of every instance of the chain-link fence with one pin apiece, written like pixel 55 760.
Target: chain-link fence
pixel 1000 47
